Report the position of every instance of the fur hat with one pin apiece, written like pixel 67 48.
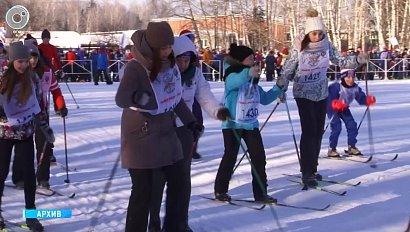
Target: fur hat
pixel 313 21
pixel 18 51
pixel 32 48
pixel 45 34
pixel 159 34
pixel 347 73
pixel 239 53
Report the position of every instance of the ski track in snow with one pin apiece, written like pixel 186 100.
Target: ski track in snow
pixel 379 204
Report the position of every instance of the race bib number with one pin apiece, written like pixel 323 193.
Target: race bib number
pixel 247 110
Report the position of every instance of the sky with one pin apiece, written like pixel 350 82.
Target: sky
pixel 379 204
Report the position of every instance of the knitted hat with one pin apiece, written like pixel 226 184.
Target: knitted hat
pixel 347 73
pixel 159 34
pixel 239 53
pixel 313 21
pixel 32 48
pixel 18 51
pixel 45 34
pixel 186 32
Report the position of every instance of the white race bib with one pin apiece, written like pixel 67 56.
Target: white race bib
pixel 247 106
pixel 313 66
pixel 18 114
pixel 167 89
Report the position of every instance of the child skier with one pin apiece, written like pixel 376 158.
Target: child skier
pixel 340 96
pixel 242 97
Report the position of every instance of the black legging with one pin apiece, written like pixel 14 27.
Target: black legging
pixel 24 151
pixel 312 120
pixel 256 150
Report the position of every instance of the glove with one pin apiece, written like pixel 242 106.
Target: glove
pixel 63 112
pixel 362 58
pixel 370 100
pixel 254 71
pixel 338 105
pixel 48 132
pixel 281 83
pixel 141 98
pixel 223 114
pixel 282 98
pixel 197 130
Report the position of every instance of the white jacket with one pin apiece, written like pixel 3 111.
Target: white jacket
pixel 201 90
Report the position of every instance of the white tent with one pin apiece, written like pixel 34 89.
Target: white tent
pixel 61 39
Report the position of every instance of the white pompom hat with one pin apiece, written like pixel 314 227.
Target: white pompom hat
pixel 314 24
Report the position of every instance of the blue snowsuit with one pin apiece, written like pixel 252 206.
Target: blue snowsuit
pixel 347 94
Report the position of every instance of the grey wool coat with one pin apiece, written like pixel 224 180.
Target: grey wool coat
pixel 147 141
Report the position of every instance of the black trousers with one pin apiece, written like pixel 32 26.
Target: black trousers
pixel 256 150
pixel 270 74
pixel 43 171
pixel 102 74
pixel 23 150
pixel 185 136
pixel 312 119
pixel 141 198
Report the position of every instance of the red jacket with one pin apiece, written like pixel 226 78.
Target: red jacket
pixel 50 52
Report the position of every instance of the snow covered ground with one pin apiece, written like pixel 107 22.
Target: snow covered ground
pixel 380 203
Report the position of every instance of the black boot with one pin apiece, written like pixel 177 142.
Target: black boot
pixel 309 179
pixel 222 197
pixel 2 223
pixel 34 225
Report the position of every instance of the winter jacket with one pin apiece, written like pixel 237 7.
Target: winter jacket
pixel 48 84
pixel 147 141
pixel 25 130
pixel 346 94
pixel 315 90
pixel 199 89
pixel 50 52
pixel 102 60
pixel 233 83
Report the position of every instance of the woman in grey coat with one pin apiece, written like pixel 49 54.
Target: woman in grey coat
pixel 150 94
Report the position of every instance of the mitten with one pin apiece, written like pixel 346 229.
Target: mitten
pixel 47 131
pixel 223 114
pixel 197 129
pixel 254 71
pixel 282 84
pixel 63 112
pixel 338 105
pixel 370 100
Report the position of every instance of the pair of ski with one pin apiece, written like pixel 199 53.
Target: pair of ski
pixel 321 188
pixel 258 205
pixel 14 226
pixel 46 192
pixel 51 192
pixel 359 158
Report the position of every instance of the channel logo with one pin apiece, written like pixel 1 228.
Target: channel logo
pixel 17 17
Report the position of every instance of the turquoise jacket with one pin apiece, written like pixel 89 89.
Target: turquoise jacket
pixel 232 84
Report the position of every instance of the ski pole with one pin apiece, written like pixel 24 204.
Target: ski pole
pixel 65 149
pixel 330 120
pixel 369 122
pixel 69 89
pixel 293 131
pixel 365 112
pixel 260 130
pixel 258 178
pixel 40 161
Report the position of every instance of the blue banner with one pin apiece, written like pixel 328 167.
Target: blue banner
pixel 47 213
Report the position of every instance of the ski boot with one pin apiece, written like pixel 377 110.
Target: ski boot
pixel 2 223
pixel 222 197
pixel 352 150
pixel 266 199
pixel 309 179
pixel 34 225
pixel 332 153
